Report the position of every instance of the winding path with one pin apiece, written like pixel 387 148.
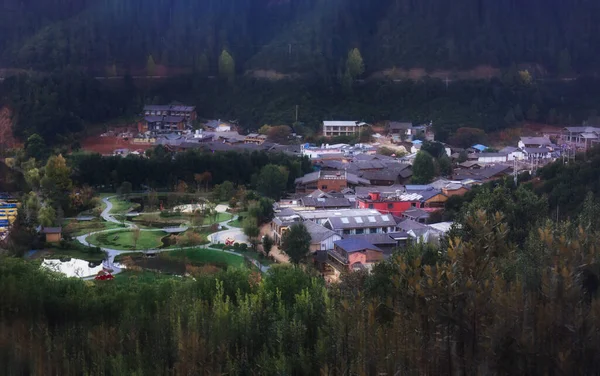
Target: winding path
pixel 215 238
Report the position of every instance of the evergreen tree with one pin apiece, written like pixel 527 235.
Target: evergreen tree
pixel 296 243
pixel 150 66
pixel 355 65
pixel 533 113
pixel 227 67
pixel 423 168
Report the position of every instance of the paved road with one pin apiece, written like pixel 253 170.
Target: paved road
pixel 217 237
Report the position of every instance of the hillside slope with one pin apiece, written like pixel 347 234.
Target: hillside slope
pixel 303 36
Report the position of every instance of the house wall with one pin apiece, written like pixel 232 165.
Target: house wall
pixel 339 130
pixel 328 185
pixel 356 257
pixel 52 238
pixel 436 201
pixel 455 192
pixel 374 256
pixel 325 245
pixel 485 159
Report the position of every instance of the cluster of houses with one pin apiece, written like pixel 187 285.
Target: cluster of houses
pixel 354 228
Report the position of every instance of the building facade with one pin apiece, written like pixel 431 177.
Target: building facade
pixel 341 128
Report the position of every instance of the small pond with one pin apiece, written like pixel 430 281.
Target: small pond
pixel 72 267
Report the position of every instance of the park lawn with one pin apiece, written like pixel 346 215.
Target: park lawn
pixel 203 256
pixel 123 240
pixel 121 206
pixel 221 217
pixel 77 228
pixel 237 223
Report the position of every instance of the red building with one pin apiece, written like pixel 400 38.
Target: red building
pixel 395 205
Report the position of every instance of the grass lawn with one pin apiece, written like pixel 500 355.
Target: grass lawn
pixel 202 256
pixel 76 228
pixel 145 276
pixel 124 239
pixel 237 223
pixel 121 206
pixel 221 217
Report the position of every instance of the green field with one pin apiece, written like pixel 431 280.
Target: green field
pixel 202 256
pixel 124 239
pixel 237 223
pixel 146 276
pixel 121 206
pixel 76 228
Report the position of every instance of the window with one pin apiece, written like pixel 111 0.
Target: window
pixel 346 232
pixel 373 231
pixel 360 231
pixel 390 206
pixel 413 205
pixel 370 206
pixel 323 187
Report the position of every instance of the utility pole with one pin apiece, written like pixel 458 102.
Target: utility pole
pixel 297 114
pixel 515 171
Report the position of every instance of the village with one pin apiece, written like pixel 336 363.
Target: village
pixel 362 201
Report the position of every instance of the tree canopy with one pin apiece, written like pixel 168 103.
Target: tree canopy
pixel 296 243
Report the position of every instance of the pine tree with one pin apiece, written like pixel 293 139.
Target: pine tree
pixel 227 67
pixel 150 66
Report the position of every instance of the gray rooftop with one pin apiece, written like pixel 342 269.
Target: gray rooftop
pixel 367 221
pixel 317 232
pixel 355 245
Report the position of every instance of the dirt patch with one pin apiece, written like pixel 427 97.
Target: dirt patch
pixel 479 72
pixel 269 74
pixel 7 140
pixel 107 144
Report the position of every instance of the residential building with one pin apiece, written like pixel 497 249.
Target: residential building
pixel 361 224
pixel 492 157
pixel 313 203
pixel 341 128
pixel 322 238
pixel 321 216
pixel 512 153
pixel 416 214
pixel 386 242
pixel 537 153
pixel 535 142
pixel 352 254
pixel 218 126
pixel 328 181
pixel 479 148
pixel 174 117
pixel 483 175
pixel 255 138
pixel 403 129
pixel 449 188
pixel 390 174
pixel 282 223
pixel 402 200
pixel 581 136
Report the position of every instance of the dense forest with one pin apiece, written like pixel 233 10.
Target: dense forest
pixel 300 36
pixel 59 105
pixel 481 305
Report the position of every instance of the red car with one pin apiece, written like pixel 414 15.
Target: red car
pixel 229 241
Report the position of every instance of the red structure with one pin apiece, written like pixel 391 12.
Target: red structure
pixel 104 276
pixel 390 205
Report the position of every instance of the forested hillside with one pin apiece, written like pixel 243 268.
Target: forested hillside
pixel 300 36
